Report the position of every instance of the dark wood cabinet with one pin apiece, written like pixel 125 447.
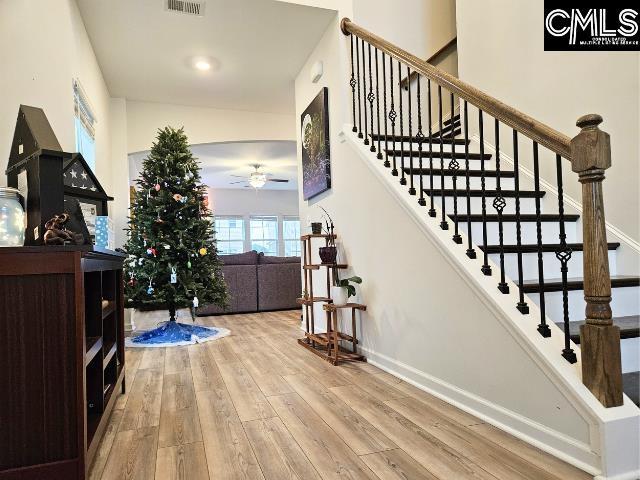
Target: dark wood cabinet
pixel 61 357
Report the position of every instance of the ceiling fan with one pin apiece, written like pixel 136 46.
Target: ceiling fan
pixel 257 178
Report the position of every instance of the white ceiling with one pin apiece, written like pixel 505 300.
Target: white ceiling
pixel 219 161
pixel 259 46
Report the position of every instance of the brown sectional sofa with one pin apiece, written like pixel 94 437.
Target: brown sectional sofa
pixel 258 283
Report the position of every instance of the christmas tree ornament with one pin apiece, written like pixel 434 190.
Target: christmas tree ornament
pixel 174 275
pixel 189 264
pixel 157 187
pixel 177 197
pixel 196 302
pixel 166 246
pixel 140 260
pixel 202 251
pixel 150 289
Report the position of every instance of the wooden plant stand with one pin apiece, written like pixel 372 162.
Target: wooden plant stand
pixel 326 345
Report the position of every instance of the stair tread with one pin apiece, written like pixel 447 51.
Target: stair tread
pixel 631 386
pixel 456 119
pixel 447 172
pixel 629 327
pixel 525 217
pixel 435 153
pixel 555 284
pixel 546 247
pixel 405 138
pixel 488 193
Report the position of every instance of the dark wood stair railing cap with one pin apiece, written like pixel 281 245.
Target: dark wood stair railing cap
pixel 528 126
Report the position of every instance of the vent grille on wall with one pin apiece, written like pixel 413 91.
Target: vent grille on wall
pixel 186 7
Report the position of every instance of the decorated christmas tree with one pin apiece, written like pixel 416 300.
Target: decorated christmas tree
pixel 173 261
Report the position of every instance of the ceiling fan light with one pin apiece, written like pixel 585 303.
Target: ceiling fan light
pixel 257 180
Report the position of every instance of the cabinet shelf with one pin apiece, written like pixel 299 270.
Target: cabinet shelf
pixel 94 345
pixel 108 307
pixel 110 352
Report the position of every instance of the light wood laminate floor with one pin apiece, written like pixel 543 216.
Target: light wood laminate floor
pixel 242 408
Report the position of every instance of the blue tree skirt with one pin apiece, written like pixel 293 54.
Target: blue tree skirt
pixel 172 334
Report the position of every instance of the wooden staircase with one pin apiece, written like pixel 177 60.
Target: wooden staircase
pixel 629 324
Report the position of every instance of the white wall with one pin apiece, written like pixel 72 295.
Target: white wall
pixel 501 51
pixel 203 125
pixel 36 67
pixel 39 68
pixel 423 321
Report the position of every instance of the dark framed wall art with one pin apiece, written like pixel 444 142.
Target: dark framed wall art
pixel 314 130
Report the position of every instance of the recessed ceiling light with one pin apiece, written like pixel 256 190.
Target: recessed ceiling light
pixel 202 65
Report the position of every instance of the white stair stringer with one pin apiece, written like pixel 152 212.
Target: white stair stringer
pixel 614 433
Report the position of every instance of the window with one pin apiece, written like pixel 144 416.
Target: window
pixel 84 126
pixel 229 235
pixel 291 236
pixel 264 234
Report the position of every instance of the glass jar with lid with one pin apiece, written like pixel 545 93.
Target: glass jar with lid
pixel 11 218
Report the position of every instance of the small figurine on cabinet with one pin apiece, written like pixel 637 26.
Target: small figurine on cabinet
pixel 57 234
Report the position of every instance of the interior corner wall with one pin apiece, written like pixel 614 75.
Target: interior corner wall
pixel 38 70
pixel 501 51
pixel 36 48
pixel 423 320
pixel 203 125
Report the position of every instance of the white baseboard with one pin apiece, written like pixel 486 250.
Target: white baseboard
pixel 550 441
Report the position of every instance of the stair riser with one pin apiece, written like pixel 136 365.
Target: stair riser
pixel 550 232
pixel 630 352
pixel 461 182
pixel 435 147
pixel 625 301
pixel 551 265
pixel 527 205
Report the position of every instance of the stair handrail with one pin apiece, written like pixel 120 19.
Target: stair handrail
pixel 432 59
pixel 590 155
pixel 535 130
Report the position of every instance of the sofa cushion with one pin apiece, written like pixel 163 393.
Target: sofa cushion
pixel 243 290
pixel 246 258
pixel 279 285
pixel 268 259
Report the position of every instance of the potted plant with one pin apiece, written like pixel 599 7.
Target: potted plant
pixel 342 289
pixel 316 228
pixel 329 253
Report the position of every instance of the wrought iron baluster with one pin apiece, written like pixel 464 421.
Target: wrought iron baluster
pixel 392 116
pixel 522 305
pixel 352 83
pixel 420 140
pixel 432 210
pixel 454 166
pixel 386 115
pixel 358 82
pixel 499 203
pixel 471 253
pixel 379 133
pixel 364 91
pixel 443 222
pixel 403 180
pixel 563 254
pixel 543 328
pixel 371 97
pixel 412 190
pixel 486 268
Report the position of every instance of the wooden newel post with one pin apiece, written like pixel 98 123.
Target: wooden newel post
pixel 599 338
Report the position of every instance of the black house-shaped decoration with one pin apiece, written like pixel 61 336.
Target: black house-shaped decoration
pixel 44 174
pixel 81 183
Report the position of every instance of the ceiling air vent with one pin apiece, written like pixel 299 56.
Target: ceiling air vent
pixel 186 7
